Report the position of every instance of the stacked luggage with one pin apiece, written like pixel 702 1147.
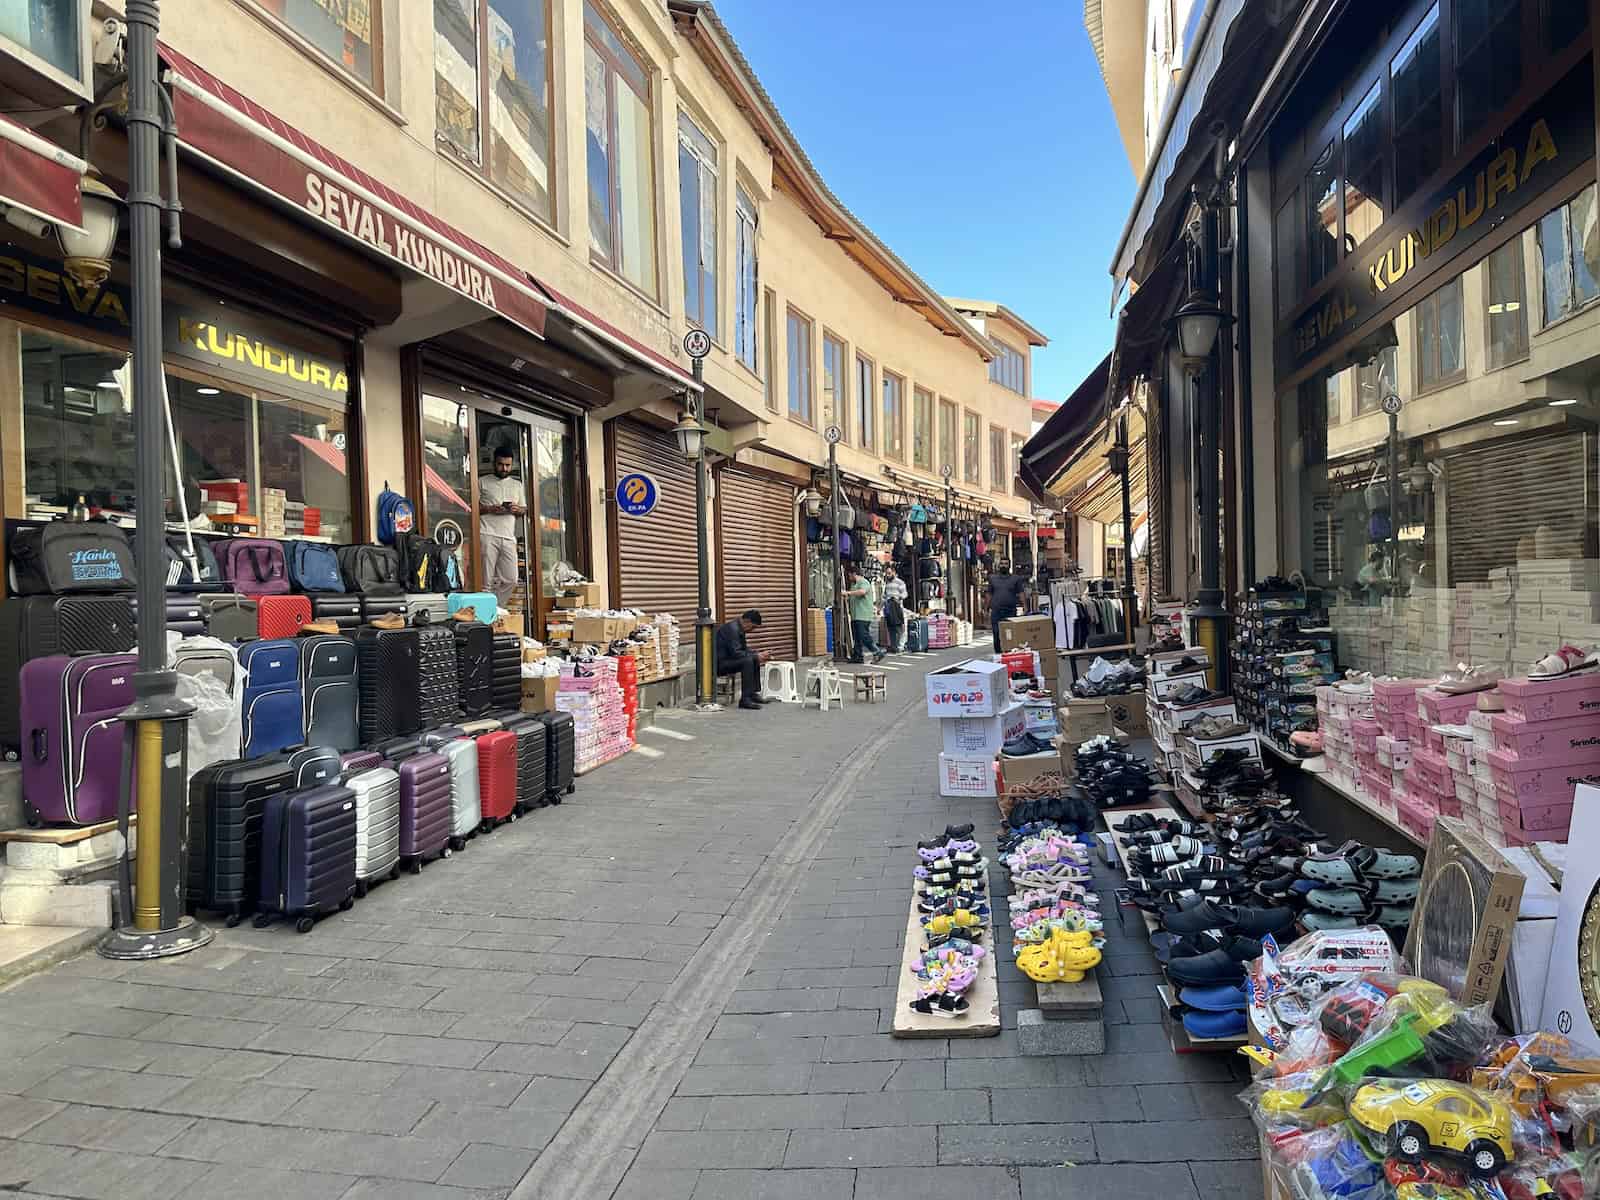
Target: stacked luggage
pixel 561 755
pixel 505 672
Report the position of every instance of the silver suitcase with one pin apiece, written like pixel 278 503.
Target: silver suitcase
pixel 466 809
pixel 432 603
pixel 377 825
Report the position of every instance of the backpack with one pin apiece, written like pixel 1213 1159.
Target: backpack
pixel 370 570
pixel 396 515
pixel 255 566
pixel 314 567
pixel 450 571
pixel 71 556
pixel 176 575
pixel 421 563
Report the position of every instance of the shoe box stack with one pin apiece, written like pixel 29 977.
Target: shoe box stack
pixel 1283 650
pixel 590 694
pixel 1438 753
pixel 628 683
pixel 1342 709
pixel 977 716
pixel 1174 676
pixel 941 631
pixel 1556 602
pixel 1545 743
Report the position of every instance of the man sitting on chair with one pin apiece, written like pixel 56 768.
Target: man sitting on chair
pixel 734 657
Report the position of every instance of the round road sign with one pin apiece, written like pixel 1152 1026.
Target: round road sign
pixel 697 343
pixel 637 494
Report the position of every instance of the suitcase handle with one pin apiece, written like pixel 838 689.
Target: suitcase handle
pixel 41 745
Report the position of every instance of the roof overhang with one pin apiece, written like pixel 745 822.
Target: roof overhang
pixel 991 311
pixel 1062 439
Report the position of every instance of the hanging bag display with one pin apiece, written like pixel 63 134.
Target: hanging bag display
pixel 66 557
pixel 396 515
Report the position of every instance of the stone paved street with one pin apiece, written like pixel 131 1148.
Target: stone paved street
pixel 677 985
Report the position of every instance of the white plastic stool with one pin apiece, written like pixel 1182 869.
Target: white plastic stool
pixel 824 684
pixel 778 682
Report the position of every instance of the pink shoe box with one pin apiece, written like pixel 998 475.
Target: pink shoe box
pixel 1416 817
pixel 1529 781
pixel 1378 787
pixel 1552 699
pixel 1572 739
pixel 1367 760
pixel 1441 708
pixel 1432 739
pixel 1433 766
pixel 1337 722
pixel 1365 734
pixel 1542 822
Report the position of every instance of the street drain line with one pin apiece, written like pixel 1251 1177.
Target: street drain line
pixel 597 1143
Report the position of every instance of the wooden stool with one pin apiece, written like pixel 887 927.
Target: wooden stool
pixel 727 689
pixel 871 686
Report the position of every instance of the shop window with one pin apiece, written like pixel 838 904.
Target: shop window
pixel 1017 442
pixel 799 367
pixel 866 427
pixel 997 459
pixel 1569 282
pixel 1009 369
pixel 769 375
pixel 1333 387
pixel 922 429
pixel 1364 170
pixel 349 32
pixel 894 402
pixel 947 437
pixel 556 497
pixel 971 467
pixel 1439 328
pixel 1286 246
pixel 748 280
pixel 621 164
pixel 1322 216
pixel 447 471
pixel 697 207
pixel 1564 20
pixel 1419 136
pixel 835 385
pixel 1376 378
pixel 1488 49
pixel 1503 286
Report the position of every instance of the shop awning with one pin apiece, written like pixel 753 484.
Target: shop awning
pixel 598 327
pixel 334 457
pixel 1062 438
pixel 38 177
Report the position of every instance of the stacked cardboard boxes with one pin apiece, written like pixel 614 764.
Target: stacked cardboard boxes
pixel 592 694
pixel 1545 744
pixel 977 716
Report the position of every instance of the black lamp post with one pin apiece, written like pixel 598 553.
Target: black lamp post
pixel 691 434
pixel 949 529
pixel 833 435
pixel 1119 459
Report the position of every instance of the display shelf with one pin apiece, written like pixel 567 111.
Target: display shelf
pixel 1327 781
pixel 982 1018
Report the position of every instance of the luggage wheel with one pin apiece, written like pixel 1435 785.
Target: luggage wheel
pixel 31 816
pixel 571 787
pixel 262 920
pixel 347 904
pixel 394 871
pixel 305 924
pixel 515 813
pixel 446 852
pixel 458 843
pixel 416 866
pixel 233 919
pixel 361 889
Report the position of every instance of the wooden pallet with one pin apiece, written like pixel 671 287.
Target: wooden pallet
pixel 982 1018
pixel 56 836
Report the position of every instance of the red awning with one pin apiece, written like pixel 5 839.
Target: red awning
pixel 235 133
pixel 334 457
pixel 607 332
pixel 38 177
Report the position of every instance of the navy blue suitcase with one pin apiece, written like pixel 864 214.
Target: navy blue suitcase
pixel 308 855
pixel 328 681
pixel 274 715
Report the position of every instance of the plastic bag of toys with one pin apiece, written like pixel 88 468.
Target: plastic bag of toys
pixel 1329 1163
pixel 1282 1103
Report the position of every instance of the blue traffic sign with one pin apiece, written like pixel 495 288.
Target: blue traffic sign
pixel 637 494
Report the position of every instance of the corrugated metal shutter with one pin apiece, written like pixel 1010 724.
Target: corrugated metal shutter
pixel 657 554
pixel 1155 479
pixel 1501 494
pixel 756 529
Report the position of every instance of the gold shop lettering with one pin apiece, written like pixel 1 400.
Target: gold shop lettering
pixel 52 288
pixel 263 356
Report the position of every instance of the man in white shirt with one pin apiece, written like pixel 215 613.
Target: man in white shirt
pixel 894 609
pixel 499 505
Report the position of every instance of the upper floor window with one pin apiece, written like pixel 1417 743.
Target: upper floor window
pixel 1376 379
pixel 997 459
pixel 947 437
pixel 697 205
pixel 1568 282
pixel 747 280
pixel 1488 49
pixel 970 450
pixel 865 425
pixel 1440 333
pixel 1010 369
pixel 922 429
pixel 621 163
pixel 835 385
pixel 1504 287
pixel 350 32
pixel 894 402
pixel 799 366
pixel 1419 132
pixel 1322 215
pixel 492 56
pixel 769 374
pixel 1364 167
pixel 1332 383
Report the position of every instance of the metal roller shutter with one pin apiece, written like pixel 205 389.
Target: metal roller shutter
pixel 1503 493
pixel 657 554
pixel 756 529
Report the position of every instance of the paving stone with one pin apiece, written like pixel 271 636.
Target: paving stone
pixel 1022 1106
pixel 267 1183
pixel 1164 1067
pixel 107 1175
pixel 936 1183
pixel 395 1111
pixel 22 1164
pixel 704 1150
pixel 110 1089
pixel 1228 1180
pixel 398 1020
pixel 518 1129
pixel 782 1000
pixel 595 1039
pixel 90 1128
pixel 552 1095
pixel 1126 1181
pixel 205 1031
pixel 687 1112
pixel 1016 1145
pixel 731 1053
pixel 823 1184
pixel 926 1075
pixel 1184 1101
pixel 795 1025
pixel 400 1189
pixel 427 1051
pixel 482 1166
pixel 773 1112
pixel 881 1048
pixel 1177 1141
pixel 1040 1035
pixel 323 1043
pixel 485 1027
pixel 361 1154
pixel 1008 1073
pixel 546 1060
pixel 243 1100
pixel 653 1184
pixel 852 1077
pixel 771 1080
pixel 18 1114
pixel 295 1071
pixel 908 1147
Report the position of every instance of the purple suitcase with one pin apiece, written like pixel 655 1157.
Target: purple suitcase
pixel 353 762
pixel 72 741
pixel 425 808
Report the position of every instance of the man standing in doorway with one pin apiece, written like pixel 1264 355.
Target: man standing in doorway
pixel 863 618
pixel 894 609
pixel 499 505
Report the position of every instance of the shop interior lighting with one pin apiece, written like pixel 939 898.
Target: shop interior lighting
pixel 209 391
pixel 1562 403
pixel 1503 421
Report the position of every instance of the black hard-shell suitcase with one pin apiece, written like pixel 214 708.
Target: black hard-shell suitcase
pixel 505 689
pixel 475 667
pixel 398 749
pixel 226 800
pixel 436 669
pixel 328 684
pixel 184 613
pixel 36 626
pixel 387 662
pixel 532 758
pixel 308 854
pixel 343 611
pixel 230 617
pixel 373 607
pixel 561 753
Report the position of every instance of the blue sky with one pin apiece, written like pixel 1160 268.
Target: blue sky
pixel 978 144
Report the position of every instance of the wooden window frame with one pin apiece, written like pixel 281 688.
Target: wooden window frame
pixel 975 475
pixel 769 373
pixel 954 461
pixel 376 87
pixel 896 448
pixel 1492 362
pixel 841 387
pixel 997 464
pixel 1433 298
pixel 684 144
pixel 617 69
pixel 867 433
pixel 746 213
pixel 807 417
pixel 918 395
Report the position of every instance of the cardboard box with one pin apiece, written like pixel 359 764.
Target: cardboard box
pixel 590 629
pixel 1040 716
pixel 1016 772
pixel 973 737
pixel 1035 632
pixel 1129 714
pixel 975 688
pixel 1465 870
pixel 966 776
pixel 582 595
pixel 1163 685
pixel 1084 719
pixel 816 640
pixel 539 695
pixel 1066 750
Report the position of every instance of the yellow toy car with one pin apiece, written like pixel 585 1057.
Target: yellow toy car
pixel 1412 1120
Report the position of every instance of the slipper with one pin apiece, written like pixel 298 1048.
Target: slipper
pixel 1568 660
pixel 1341 902
pixel 1219 998
pixel 1214 1024
pixel 1377 863
pixel 1396 891
pixel 1337 871
pixel 1465 680
pixel 1321 922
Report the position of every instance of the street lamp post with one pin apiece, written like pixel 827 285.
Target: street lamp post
pixel 1120 460
pixel 691 436
pixel 833 434
pixel 154 723
pixel 1392 405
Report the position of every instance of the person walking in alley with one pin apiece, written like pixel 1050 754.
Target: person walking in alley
pixel 499 506
pixel 734 657
pixel 863 617
pixel 1005 598
pixel 894 609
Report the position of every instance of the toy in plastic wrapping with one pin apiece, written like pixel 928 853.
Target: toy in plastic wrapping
pixel 1278 1103
pixel 1542 1178
pixel 1398 1171
pixel 1550 1079
pixel 1284 984
pixel 1425 1117
pixel 1394 1022
pixel 1329 1164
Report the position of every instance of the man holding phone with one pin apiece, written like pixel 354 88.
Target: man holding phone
pixel 499 505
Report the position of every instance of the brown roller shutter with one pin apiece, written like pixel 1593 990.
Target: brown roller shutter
pixel 657 567
pixel 756 528
pixel 1503 493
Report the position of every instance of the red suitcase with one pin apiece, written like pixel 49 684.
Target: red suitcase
pixel 497 775
pixel 282 616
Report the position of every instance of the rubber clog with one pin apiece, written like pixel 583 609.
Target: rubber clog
pixel 1396 891
pixel 1214 1025
pixel 1340 902
pixel 1378 863
pixel 1221 998
pixel 1321 922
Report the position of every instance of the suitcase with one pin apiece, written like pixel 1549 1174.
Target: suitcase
pixel 531 758
pixel 381 606
pixel 481 725
pixel 73 755
pixel 398 749
pixel 377 792
pixel 466 811
pixel 273 715
pixel 561 752
pixel 282 616
pixel 484 604
pixel 328 681
pixel 343 611
pixel 354 761
pixel 436 672
pixel 226 800
pixel 308 855
pixel 425 808
pixel 389 705
pixel 916 635
pixel 230 617
pixel 505 689
pixel 475 667
pixel 497 777
pixel 183 613
pixel 37 626
pixel 433 604
pixel 214 732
